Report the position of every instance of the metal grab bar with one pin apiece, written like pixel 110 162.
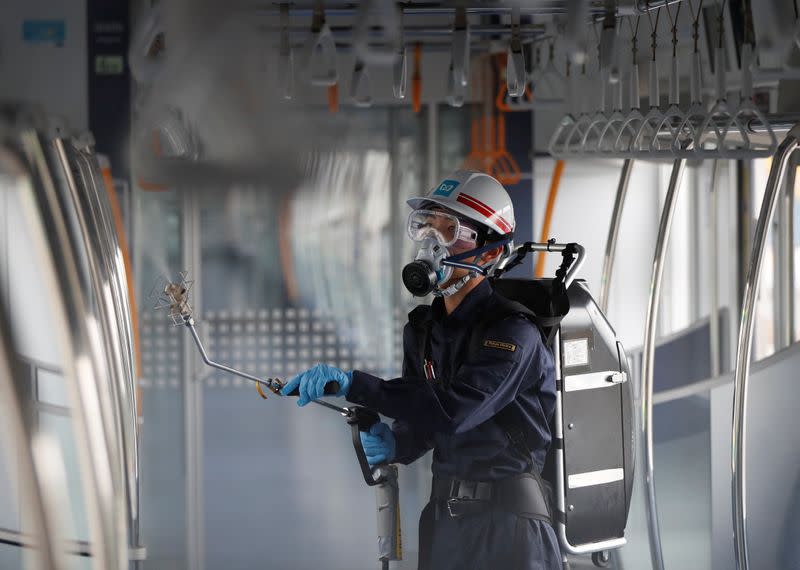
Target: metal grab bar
pixel 559 247
pixel 85 362
pixel 648 358
pixel 745 344
pixel 110 273
pixel 713 325
pixel 389 17
pixel 318 55
pixel 551 246
pixel 96 236
pixel 613 233
pixel 625 8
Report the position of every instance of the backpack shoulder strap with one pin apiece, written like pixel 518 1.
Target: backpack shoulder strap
pixel 420 320
pixel 418 315
pixel 503 309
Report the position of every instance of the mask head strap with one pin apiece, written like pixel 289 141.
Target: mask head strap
pixel 474 270
pixel 455 260
pixel 455 287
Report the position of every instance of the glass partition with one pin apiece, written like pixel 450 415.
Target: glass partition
pixel 287 274
pixel 158 224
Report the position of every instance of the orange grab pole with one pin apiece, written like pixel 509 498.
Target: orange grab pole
pixel 333 98
pixel 416 80
pixel 146 185
pixel 555 182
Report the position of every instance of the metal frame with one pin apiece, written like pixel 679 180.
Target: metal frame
pixel 522 250
pixel 561 501
pixel 777 172
pixel 553 7
pixel 648 358
pixel 613 233
pixel 193 395
pixel 783 309
pixel 713 324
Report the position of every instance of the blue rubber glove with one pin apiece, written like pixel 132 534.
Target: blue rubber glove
pixel 379 444
pixel 311 383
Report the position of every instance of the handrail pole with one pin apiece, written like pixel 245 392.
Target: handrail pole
pixel 613 233
pixel 745 345
pixel 648 357
pixel 713 326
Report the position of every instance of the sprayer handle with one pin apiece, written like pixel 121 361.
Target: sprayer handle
pixel 331 389
pixel 362 419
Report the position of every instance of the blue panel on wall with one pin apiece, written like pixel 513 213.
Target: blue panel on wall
pixel 681 418
pixel 44 32
pixel 685 359
pixel 519 142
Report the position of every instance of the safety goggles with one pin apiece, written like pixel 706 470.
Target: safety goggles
pixel 446 228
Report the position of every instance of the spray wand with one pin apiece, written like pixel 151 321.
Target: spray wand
pixel 174 298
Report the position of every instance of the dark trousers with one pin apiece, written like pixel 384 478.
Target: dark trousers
pixel 491 540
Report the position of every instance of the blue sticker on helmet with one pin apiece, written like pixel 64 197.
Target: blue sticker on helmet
pixel 446 188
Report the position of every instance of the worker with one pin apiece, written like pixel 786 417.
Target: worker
pixel 484 405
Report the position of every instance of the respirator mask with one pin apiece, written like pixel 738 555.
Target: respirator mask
pixel 438 233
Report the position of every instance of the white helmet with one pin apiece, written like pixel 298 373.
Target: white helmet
pixel 475 196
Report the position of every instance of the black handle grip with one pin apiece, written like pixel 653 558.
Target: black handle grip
pixel 361 419
pixel 331 389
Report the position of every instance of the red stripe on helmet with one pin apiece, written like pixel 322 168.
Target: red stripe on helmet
pixel 485 210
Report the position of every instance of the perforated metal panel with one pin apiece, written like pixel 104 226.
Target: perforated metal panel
pixel 274 342
pixel 161 352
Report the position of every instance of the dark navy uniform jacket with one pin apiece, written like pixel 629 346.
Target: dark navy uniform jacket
pixel 511 370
